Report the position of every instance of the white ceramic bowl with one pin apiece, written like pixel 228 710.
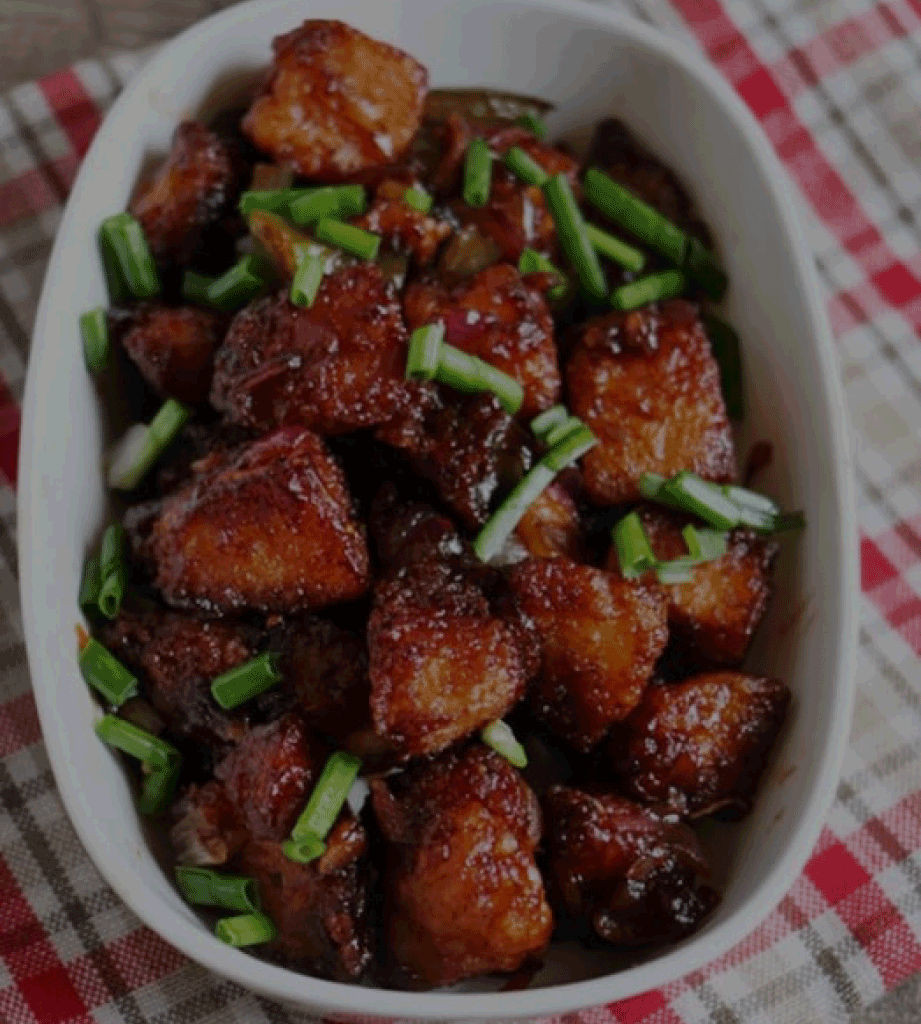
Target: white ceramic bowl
pixel 591 63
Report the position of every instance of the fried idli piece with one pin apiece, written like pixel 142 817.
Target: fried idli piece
pixel 336 102
pixel 462 893
pixel 195 186
pixel 267 527
pixel 552 525
pixel 621 871
pixel 701 745
pixel 600 637
pixel 177 657
pixel 445 658
pixel 407 532
pixel 205 829
pixel 320 909
pixel 402 227
pixel 715 615
pixel 498 316
pixel 335 366
pixel 647 385
pixel 173 348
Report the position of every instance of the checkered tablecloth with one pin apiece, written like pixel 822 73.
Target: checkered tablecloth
pixel 836 84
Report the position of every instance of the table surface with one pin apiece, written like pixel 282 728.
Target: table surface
pixel 38 37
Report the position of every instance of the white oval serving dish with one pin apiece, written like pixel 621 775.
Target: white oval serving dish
pixel 590 62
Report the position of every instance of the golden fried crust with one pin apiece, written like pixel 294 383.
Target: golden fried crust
pixel 269 774
pixel 268 527
pixel 205 829
pixel 197 183
pixel 336 102
pixel 401 227
pixel 177 658
pixel 701 745
pixel 551 525
pixel 174 349
pixel 334 367
pixel 442 664
pixel 716 614
pixel 648 386
pixel 620 870
pixel 409 532
pixel 499 317
pixel 320 909
pixel 463 895
pixel 601 637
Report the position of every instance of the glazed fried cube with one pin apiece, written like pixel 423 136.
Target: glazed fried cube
pixel 463 895
pixel 551 525
pixel 649 388
pixel 177 657
pixel 701 745
pixel 443 662
pixel 716 614
pixel 499 317
pixel 268 527
pixel 600 638
pixel 206 830
pixel 174 349
pixel 400 226
pixel 336 102
pixel 196 185
pixel 336 366
pixel 410 532
pixel 320 909
pixel 621 871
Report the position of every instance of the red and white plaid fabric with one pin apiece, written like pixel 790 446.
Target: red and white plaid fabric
pixel 836 85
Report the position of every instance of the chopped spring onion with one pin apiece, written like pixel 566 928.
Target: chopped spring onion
pixel 245 930
pixel 634 552
pixel 724 343
pixel 745 498
pixel 271 200
pixel 526 167
pixel 477 173
pixel 652 486
pixel 113 570
pixel 561 431
pixel 115 285
pixel 615 249
pixel 337 201
pixel 328 797
pixel 548 419
pixel 701 264
pixel 703 499
pixel 356 241
pixel 630 212
pixel 465 372
pixel 533 124
pixel 106 674
pixel 311 266
pixel 89 587
pixel 240 684
pixel 573 236
pixel 195 287
pixel 206 888
pixel 572 447
pixel 236 286
pixel 418 199
pixel 678 570
pixel 159 786
pixel 97 347
pixel 112 591
pixel 126 241
pixel 533 262
pixel 704 545
pixel 500 737
pixel 304 849
pixel 147 748
pixel 425 352
pixel 142 444
pixel 654 288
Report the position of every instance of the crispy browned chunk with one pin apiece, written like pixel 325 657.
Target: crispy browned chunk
pixel 194 449
pixel 442 662
pixel 336 102
pixel 620 870
pixel 194 187
pixel 174 349
pixel 701 745
pixel 716 614
pixel 466 445
pixel 335 366
pixel 409 532
pixel 401 227
pixel 648 386
pixel 499 317
pixel 268 527
pixel 205 830
pixel 177 658
pixel 463 895
pixel 320 909
pixel 551 525
pixel 601 637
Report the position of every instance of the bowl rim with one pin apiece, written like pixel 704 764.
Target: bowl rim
pixel 318 994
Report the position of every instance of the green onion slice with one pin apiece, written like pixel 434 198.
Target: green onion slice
pixel 236 286
pixel 654 288
pixel 424 355
pixel 142 444
pixel 245 930
pixel 89 587
pixel 500 737
pixel 533 262
pixel 195 287
pixel 126 241
pixel 561 431
pixel 678 570
pixel 615 249
pixel 418 199
pixel 572 447
pixel 705 545
pixel 347 237
pixel 106 674
pixel 240 684
pixel 460 370
pixel 701 264
pixel 521 163
pixel 97 347
pixel 573 236
pixel 311 266
pixel 206 888
pixel 116 287
pixel 304 849
pixel 549 419
pixel 147 748
pixel 112 592
pixel 337 201
pixel 533 124
pixel 272 200
pixel 477 173
pixel 631 543
pixel 159 787
pixel 703 499
pixel 112 549
pixel 506 518
pixel 724 343
pixel 328 797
